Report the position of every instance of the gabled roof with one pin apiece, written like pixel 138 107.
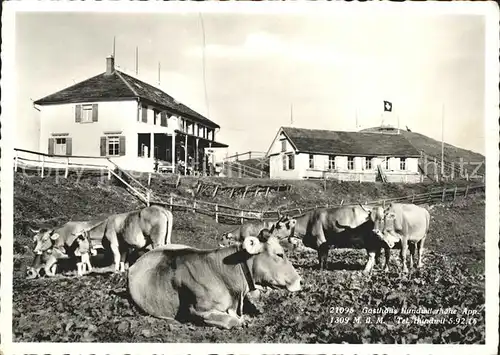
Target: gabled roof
pixel 120 86
pixel 318 141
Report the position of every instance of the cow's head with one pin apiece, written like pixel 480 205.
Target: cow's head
pixel 269 264
pixel 227 240
pixel 384 225
pixel 43 240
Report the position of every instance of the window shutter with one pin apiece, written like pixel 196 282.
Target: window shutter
pixel 163 119
pixel 122 145
pixel 94 112
pixel 69 146
pixel 104 147
pixel 78 113
pixel 51 146
pixel 145 114
pixel 292 162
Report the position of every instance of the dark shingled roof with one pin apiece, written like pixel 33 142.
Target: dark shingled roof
pixel 120 86
pixel 349 143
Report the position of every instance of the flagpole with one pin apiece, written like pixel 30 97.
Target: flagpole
pixel 356 113
pixel 291 114
pixel 442 139
pixel 398 123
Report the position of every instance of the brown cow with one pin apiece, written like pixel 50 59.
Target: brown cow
pixel 187 284
pixel 341 227
pixel 281 229
pixel 404 223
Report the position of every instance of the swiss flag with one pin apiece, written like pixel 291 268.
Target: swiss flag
pixel 387 106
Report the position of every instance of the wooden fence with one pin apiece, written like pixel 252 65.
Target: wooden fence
pixel 232 215
pixel 210 189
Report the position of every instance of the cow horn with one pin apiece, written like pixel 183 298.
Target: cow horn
pixel 34 230
pixel 363 207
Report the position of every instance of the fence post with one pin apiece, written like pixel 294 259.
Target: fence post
pixel 412 196
pixel 383 203
pixel 455 193
pixel 242 217
pixel 109 173
pixel 149 179
pixel 444 193
pixel 43 165
pixel 217 213
pixel 215 190
pixel 178 182
pixel 194 206
pixel 67 168
pixel 148 197
pixel 171 203
pixel 245 192
pixel 239 170
pixel 341 202
pixel 466 191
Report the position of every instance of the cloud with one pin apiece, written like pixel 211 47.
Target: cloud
pixel 262 45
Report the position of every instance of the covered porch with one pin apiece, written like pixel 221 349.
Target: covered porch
pixel 178 152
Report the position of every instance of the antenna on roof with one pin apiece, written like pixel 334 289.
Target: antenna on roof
pixel 136 60
pixel 159 69
pixel 291 114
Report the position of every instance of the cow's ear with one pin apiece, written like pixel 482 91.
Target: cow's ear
pixel 54 236
pixel 252 245
pixel 293 222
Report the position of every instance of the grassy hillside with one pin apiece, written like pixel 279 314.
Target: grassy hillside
pixel 303 193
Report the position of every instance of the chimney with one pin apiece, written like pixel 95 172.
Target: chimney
pixel 110 65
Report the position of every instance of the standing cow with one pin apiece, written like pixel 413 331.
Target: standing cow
pixel 405 223
pixel 341 227
pixel 120 233
pixel 185 283
pixel 281 229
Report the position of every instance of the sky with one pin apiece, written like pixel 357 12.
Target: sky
pixel 263 71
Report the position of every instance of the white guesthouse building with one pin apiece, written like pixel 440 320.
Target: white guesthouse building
pixel 299 153
pixel 114 115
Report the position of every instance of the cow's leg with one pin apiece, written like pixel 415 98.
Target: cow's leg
pixel 387 252
pixel 370 263
pixel 413 259
pixel 323 255
pixel 404 250
pixel 378 254
pixel 420 250
pixel 49 266
pixel 218 318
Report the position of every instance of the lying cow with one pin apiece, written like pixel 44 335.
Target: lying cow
pixel 150 226
pixel 341 227
pixel 51 245
pixel 186 283
pixel 281 229
pixel 405 223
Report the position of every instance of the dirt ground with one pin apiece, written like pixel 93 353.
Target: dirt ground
pixel 332 307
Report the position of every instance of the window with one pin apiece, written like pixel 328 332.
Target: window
pixel 386 163
pixel 331 162
pixel 291 161
pixel 288 162
pixel 144 114
pixel 311 161
pixel 60 146
pixel 368 164
pixel 113 146
pixel 402 164
pixel 163 119
pixel 350 163
pixel 156 117
pixel 283 145
pixel 86 113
